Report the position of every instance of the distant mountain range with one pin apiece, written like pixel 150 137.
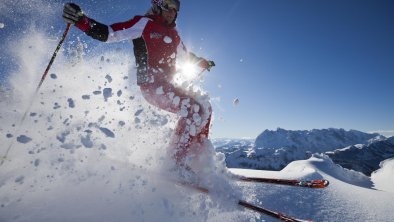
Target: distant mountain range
pixel 364 158
pixel 273 150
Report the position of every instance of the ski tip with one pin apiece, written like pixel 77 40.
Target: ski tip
pixel 320 183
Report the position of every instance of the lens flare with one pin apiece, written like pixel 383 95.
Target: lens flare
pixel 187 72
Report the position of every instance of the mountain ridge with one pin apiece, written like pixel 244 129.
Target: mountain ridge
pixel 274 150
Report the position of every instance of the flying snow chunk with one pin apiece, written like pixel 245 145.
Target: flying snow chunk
pixel 23 139
pixel 109 78
pixel 107 132
pixel 107 92
pixel 138 112
pixel 36 162
pixel 53 76
pixel 19 179
pixel 235 101
pixel 2 25
pixel 56 106
pixel 167 39
pixel 86 141
pixel 71 103
pixel 62 136
pixel 159 91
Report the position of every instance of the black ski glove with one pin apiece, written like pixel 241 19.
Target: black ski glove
pixel 72 13
pixel 210 65
pixel 206 64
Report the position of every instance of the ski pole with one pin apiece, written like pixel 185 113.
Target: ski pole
pixel 4 157
pixel 201 72
pixel 54 56
pixel 47 69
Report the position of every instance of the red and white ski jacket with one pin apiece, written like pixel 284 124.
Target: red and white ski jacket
pixel 157 45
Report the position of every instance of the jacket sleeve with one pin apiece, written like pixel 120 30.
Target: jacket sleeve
pixel 183 55
pixel 93 28
pixel 131 29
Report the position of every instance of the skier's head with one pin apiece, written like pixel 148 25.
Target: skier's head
pixel 165 5
pixel 166 8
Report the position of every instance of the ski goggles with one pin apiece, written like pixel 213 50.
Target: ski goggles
pixel 169 5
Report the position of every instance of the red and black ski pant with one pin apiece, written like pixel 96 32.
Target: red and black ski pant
pixel 195 115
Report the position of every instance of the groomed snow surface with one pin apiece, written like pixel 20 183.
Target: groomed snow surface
pixel 91 149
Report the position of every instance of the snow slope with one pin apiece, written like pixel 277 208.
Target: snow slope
pixel 349 197
pixel 111 190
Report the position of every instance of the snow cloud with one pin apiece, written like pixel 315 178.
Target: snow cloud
pixel 384 177
pixel 33 9
pixel 81 141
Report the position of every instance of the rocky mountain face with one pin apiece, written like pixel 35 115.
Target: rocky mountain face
pixel 364 158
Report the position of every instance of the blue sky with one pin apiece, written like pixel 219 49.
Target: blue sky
pixel 293 64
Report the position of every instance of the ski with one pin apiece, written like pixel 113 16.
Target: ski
pixel 247 205
pixel 271 213
pixel 297 183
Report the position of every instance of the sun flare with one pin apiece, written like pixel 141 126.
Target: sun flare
pixel 186 72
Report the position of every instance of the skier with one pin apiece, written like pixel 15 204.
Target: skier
pixel 157 47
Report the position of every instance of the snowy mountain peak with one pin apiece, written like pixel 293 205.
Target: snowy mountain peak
pixel 316 139
pixel 391 140
pixel 273 150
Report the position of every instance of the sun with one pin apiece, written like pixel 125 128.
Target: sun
pixel 186 72
pixel 189 70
